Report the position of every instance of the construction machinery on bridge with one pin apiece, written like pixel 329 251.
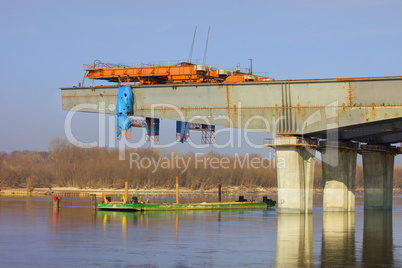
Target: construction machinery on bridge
pixel 170 72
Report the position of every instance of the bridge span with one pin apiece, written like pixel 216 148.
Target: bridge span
pixel 338 117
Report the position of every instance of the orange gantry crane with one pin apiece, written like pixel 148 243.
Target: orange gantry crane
pixel 153 74
pixel 183 72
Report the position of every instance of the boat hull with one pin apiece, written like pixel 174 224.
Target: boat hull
pixel 194 206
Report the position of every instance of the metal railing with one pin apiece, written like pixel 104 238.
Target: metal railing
pixel 293 141
pixel 321 144
pixel 97 64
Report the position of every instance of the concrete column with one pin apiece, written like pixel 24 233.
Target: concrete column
pixel 378 169
pixel 294 243
pixel 295 161
pixel 338 239
pixel 339 174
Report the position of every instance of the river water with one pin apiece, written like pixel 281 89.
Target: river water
pixel 32 234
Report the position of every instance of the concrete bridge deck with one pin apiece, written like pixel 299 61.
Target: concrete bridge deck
pixel 359 109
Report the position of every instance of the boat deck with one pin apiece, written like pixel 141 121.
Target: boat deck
pixel 120 206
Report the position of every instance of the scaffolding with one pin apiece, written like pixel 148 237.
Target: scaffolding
pixel 207 132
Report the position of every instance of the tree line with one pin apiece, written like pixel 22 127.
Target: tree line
pixel 66 165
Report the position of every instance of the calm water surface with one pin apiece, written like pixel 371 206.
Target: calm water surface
pixel 33 235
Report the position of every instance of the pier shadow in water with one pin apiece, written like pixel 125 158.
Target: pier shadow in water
pixel 294 246
pixel 377 239
pixel 338 239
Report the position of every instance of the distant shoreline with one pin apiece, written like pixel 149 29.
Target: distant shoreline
pixel 232 190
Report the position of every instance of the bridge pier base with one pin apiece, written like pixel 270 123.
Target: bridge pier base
pixel 378 169
pixel 339 174
pixel 295 172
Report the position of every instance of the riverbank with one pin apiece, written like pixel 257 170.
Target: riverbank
pixel 232 190
pixel 153 191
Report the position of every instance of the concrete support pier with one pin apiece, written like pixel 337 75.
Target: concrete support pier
pixel 295 159
pixel 378 169
pixel 339 174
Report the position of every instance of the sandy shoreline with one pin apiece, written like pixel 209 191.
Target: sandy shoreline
pixel 233 190
pixel 153 191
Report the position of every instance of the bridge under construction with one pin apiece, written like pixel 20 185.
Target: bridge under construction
pixel 338 117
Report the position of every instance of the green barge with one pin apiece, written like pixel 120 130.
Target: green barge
pixel 134 206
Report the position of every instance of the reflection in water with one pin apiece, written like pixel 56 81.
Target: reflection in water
pixel 294 246
pixel 106 216
pixel 134 218
pixel 111 219
pixel 94 216
pixel 105 222
pixel 177 228
pixel 377 238
pixel 124 229
pixel 338 239
pixel 194 238
pixel 56 218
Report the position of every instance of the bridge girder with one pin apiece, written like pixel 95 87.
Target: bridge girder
pixel 359 109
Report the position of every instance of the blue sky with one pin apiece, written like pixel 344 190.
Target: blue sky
pixel 44 44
